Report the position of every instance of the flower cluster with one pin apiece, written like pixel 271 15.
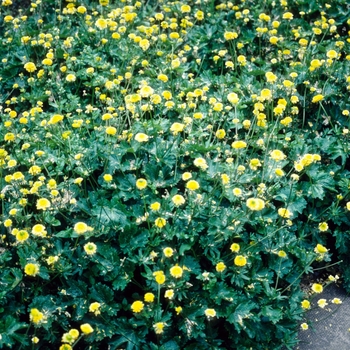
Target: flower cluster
pixel 170 170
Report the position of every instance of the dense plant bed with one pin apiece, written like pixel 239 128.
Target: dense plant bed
pixel 169 171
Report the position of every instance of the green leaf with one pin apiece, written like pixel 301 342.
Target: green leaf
pixel 184 247
pixel 8 331
pixel 273 314
pixel 110 216
pixel 170 345
pixel 242 311
pixel 102 293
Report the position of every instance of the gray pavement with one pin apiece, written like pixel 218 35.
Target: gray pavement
pixel 329 327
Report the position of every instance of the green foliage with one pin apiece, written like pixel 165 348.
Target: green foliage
pixel 169 171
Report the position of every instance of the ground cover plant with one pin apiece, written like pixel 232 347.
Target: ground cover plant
pixel 169 171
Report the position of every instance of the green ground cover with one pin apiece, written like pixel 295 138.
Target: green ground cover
pixel 170 171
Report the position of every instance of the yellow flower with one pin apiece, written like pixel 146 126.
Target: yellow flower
pixel 31 269
pixel 74 333
pixel 176 271
pixel 225 179
pixel 270 77
pixel 168 252
pixel 256 204
pixel 176 128
pixel 155 206
pixel 348 205
pixel 71 78
pixel 78 180
pixel 240 260
pixel 169 294
pixel 220 267
pixel 160 222
pixel 43 204
pixel 159 327
pixel 235 248
pixel 277 155
pixel 101 23
pixel 86 328
pixel 210 313
pixel 178 200
pixel 95 308
pixel 159 277
pixel 22 236
pixel 200 163
pixel 317 98
pixel 305 304
pixel 323 226
pixel 322 303
pixel 282 254
pixel 284 213
pixel 36 316
pixel 320 249
pixel 30 67
pixel 8 223
pixel 178 310
pixel 141 137
pixel 220 134
pixel 35 340
pixel 238 144
pixel 237 191
pixel 186 176
pixel 288 15
pixel 336 301
pixel 90 248
pixel 185 8
pixel 80 228
pixel 317 288
pixel 108 177
pixel 192 185
pixel 141 184
pixel 149 297
pixel 111 130
pixel 65 347
pixel 304 326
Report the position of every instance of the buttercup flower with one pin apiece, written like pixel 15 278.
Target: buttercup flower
pixel 95 308
pixel 149 297
pixel 317 288
pixel 304 326
pixel 30 67
pixel 159 277
pixel 178 200
pixel 305 304
pixel 240 260
pixel 169 294
pixel 168 252
pixel 31 269
pixel 141 184
pixel 210 313
pixel 176 271
pixel 141 137
pixel 192 185
pixel 323 226
pixel 160 222
pixel 137 306
pixel 80 228
pixel 235 247
pixel 220 267
pixel 255 204
pixel 36 316
pixel 201 163
pixel 43 204
pixel 90 248
pixel 86 328
pixel 159 327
